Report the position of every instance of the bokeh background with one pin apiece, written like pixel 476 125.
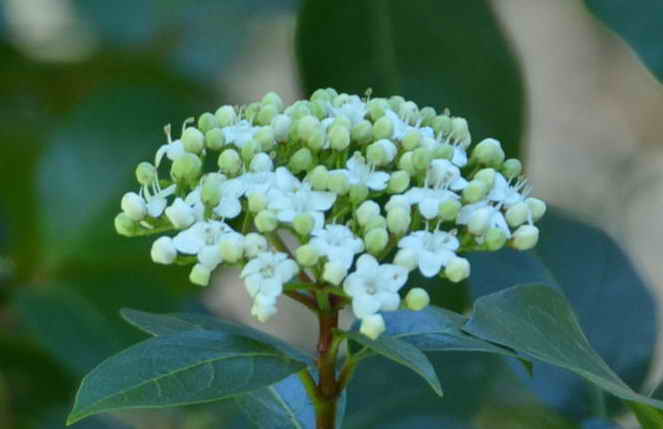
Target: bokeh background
pixel 86 87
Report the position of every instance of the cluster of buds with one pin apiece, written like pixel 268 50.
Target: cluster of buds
pixel 371 188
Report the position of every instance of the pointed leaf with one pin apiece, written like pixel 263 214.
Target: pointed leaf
pixel 186 368
pixel 403 353
pixel 538 321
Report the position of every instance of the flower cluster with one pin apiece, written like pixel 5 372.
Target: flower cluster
pixel 372 189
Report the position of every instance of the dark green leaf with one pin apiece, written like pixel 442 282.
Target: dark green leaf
pixel 639 23
pixel 403 353
pixel 538 321
pixel 170 324
pixel 443 54
pixel 186 368
pixel 649 417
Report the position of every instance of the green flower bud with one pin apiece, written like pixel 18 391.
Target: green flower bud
pixel 163 251
pixel 449 210
pixel 376 240
pixel 358 193
pixel 334 273
pixel 377 107
pixel 298 110
pixel 226 116
pixel 146 173
pixel 318 178
pixel 460 131
pixel 426 115
pixel 266 113
pixel 281 127
pixel 257 202
pixel 342 121
pixel 417 299
pixel 211 189
pixel 303 224
pixel 486 176
pixel 301 160
pixel 207 121
pixel 362 133
pixel 495 239
pixel 441 124
pixel 265 139
pixel 474 191
pixel 193 140
pixel 444 151
pixel 479 221
pixel 340 100
pixel 512 168
pixel 525 237
pixel 366 211
pixel 200 275
pixel 215 139
pixel 306 126
pixel 318 109
pixel 375 221
pixel 457 269
pixel 406 163
pixel 372 326
pixel 395 102
pixel 321 95
pixel 517 214
pixel 230 162
pixel 232 250
pixel 407 258
pixel 338 183
pixel 126 226
pixel 186 167
pixel 254 244
pixel 398 220
pixel 421 159
pixel 339 137
pixel 383 128
pixel 381 152
pixel 317 140
pixel 249 150
pixel 409 110
pixel 398 182
pixel 251 111
pixel 272 98
pixel 307 255
pixel 488 152
pixel 537 208
pixel 266 221
pixel 412 140
pixel 332 93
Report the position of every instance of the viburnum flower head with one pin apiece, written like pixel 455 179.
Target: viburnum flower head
pixel 369 190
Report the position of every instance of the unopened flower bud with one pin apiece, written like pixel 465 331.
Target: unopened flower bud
pixel 377 107
pixel 266 113
pixel 408 110
pixel 480 220
pixel 407 258
pixel 362 133
pixel 461 132
pixel 426 114
pixel 474 191
pixel 381 152
pixel 298 110
pixel 318 109
pixel 417 299
pixel 126 226
pixel 281 127
pixel 200 275
pixel 251 111
pixel 257 202
pixel 517 214
pixel 321 95
pixel 406 163
pixel 366 211
pixel 207 121
pixel 444 151
pixel 180 214
pixel 301 160
pixel 441 124
pixel 398 220
pixel 383 128
pixel 449 210
pixel 340 100
pixel 339 137
pixel 210 257
pixel 457 269
pixel 317 141
pixel 249 150
pixel 230 162
pixel 511 168
pixel 226 116
pixel 412 140
pixel 495 239
pixel 215 139
pixel 358 193
pixel 303 224
pixel 163 251
pixel 398 201
pixel 254 244
pixel 264 307
pixel 486 176
pixel 211 189
pixel 186 167
pixel 525 237
pixel 338 183
pixel 146 173
pixel 266 221
pixel 489 152
pixel 134 206
pixel 307 255
pixel 318 178
pixel 232 248
pixel 537 207
pixel 261 163
pixel 376 240
pixel 372 326
pixel 334 272
pixel 399 182
pixel 306 126
pixel 421 159
pixel 274 99
pixel 395 102
pixel 265 138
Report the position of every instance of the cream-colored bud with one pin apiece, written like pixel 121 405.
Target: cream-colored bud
pixel 457 269
pixel 525 237
pixel 449 210
pixel 307 255
pixel 417 299
pixel 372 326
pixel 474 191
pixel 257 202
pixel 303 224
pixel 193 140
pixel 407 258
pixel 163 251
pixel 200 275
pixel 537 208
pixel 517 214
pixel 134 206
pixel 266 221
pixel 399 182
pixel 226 116
pixel 398 220
pixel 334 272
pixel 366 210
pixel 376 240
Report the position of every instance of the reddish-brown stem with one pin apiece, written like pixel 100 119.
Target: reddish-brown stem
pixel 307 300
pixel 327 353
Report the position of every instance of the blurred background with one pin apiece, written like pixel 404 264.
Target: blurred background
pixel 86 87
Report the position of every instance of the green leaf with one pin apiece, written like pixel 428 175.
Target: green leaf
pixel 170 324
pixel 186 368
pixel 639 24
pixel 403 353
pixel 443 54
pixel 538 321
pixel 648 417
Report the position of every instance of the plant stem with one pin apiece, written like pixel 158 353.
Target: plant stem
pixel 328 391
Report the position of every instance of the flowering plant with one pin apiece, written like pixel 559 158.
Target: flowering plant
pixel 333 202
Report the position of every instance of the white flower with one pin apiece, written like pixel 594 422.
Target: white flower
pixel 264 307
pixel 172 149
pixel 402 200
pixel 254 244
pixel 262 163
pixel 133 206
pixel 163 251
pixel 240 133
pixel 354 109
pixel 202 233
pixel 264 277
pixel 338 243
pixel 481 216
pixel 428 200
pixel 359 172
pixel 261 181
pixel 180 214
pixel 287 205
pixel 433 249
pixel 443 174
pixel 229 206
pixel 334 272
pixel 374 287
